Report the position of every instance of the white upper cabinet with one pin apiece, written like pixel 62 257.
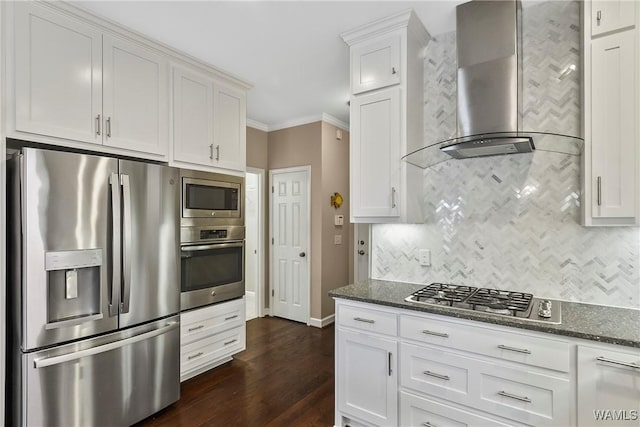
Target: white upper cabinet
pixel 229 127
pixel 375 64
pixel 611 15
pixel 136 89
pixel 209 122
pixel 192 117
pixel 375 153
pixel 58 75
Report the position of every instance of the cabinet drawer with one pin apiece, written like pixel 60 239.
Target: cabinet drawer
pixel 210 320
pixel 417 411
pixel 368 320
pixel 517 347
pixel 211 349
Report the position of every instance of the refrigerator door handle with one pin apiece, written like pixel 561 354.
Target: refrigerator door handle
pixel 127 246
pixel 116 278
pixel 57 360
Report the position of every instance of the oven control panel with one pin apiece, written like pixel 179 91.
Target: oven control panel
pixel 213 234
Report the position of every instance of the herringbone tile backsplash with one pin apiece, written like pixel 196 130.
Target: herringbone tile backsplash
pixel 513 222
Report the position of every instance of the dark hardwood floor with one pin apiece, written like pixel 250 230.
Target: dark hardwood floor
pixel 284 378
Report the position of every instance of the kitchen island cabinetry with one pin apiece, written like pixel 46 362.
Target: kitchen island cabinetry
pixel 386 119
pixel 608 386
pixel 612 96
pixel 97 88
pixel 209 123
pixel 210 336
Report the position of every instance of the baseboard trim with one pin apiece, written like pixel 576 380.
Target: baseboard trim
pixel 321 323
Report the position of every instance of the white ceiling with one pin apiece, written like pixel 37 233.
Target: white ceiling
pixel 290 51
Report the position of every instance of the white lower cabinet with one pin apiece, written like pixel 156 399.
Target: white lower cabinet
pixel 210 336
pixel 608 386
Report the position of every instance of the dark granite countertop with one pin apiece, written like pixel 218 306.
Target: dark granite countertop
pixel 587 321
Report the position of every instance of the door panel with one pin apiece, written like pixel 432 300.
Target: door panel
pixel 229 125
pixel 153 235
pixel 58 74
pixel 136 87
pixel 290 246
pixel 67 224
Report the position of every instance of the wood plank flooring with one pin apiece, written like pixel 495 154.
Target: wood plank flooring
pixel 284 378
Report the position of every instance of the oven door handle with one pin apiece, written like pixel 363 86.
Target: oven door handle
pixel 235 244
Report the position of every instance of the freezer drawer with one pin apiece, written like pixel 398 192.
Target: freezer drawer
pixel 114 380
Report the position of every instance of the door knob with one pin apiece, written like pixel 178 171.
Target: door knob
pixel 302 255
pixel 361 252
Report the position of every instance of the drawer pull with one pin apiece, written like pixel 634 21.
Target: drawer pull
pixel 195 355
pixel 231 317
pixel 440 376
pixel 230 342
pixel 514 396
pixel 437 334
pixel 617 362
pixel 428 424
pixel 196 328
pixel 360 319
pixel 517 350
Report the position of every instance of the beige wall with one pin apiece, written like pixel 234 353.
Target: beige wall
pixel 335 178
pixel 301 146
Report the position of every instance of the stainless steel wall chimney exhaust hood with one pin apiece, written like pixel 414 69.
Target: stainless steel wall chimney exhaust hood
pixel 489 88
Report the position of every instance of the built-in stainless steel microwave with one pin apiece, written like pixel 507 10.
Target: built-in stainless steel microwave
pixel 211 196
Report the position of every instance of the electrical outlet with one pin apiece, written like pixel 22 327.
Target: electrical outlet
pixel 337 239
pixel 425 257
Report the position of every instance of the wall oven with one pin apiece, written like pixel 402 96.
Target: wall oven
pixel 212 237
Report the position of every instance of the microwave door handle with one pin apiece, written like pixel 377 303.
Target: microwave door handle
pixel 127 245
pixel 116 278
pixel 212 246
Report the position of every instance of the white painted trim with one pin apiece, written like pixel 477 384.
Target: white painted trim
pixel 296 122
pixel 334 121
pixel 260 286
pixel 3 165
pixel 257 125
pixel 272 172
pixel 385 25
pixel 321 323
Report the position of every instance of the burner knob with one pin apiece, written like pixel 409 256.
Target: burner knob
pixel 544 309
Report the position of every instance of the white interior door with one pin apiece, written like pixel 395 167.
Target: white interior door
pixel 290 243
pixel 363 250
pixel 252 228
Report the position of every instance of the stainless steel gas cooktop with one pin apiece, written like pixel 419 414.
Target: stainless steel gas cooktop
pixel 502 303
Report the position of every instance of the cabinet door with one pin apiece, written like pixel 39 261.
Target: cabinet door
pixel 229 127
pixel 366 377
pixel 608 387
pixel 375 154
pixel 375 64
pixel 613 125
pixel 192 118
pixel 610 15
pixel 58 74
pixel 136 89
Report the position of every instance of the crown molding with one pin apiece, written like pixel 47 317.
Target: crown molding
pixel 257 125
pixel 299 121
pixel 334 121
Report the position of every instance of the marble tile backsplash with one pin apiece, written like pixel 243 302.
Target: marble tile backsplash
pixel 513 222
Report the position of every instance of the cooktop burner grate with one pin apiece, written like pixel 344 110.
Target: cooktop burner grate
pixel 495 299
pixel 441 293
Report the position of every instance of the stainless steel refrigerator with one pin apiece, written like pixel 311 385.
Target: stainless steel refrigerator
pixel 94 289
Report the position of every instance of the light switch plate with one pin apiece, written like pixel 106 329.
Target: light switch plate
pixel 338 220
pixel 425 257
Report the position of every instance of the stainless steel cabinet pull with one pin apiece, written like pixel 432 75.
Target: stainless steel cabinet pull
pixel 393 70
pixel 440 376
pixel 513 396
pixel 211 151
pixel 517 350
pixel 196 328
pixel 617 362
pixel 393 197
pixel 98 124
pixel 195 355
pixel 599 17
pixel 437 334
pixel 599 185
pixel 230 342
pixel 390 370
pixel 217 152
pixel 428 424
pixel 360 319
pixel 108 127
pixel 231 317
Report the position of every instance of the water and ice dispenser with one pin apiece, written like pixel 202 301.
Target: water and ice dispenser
pixel 73 287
